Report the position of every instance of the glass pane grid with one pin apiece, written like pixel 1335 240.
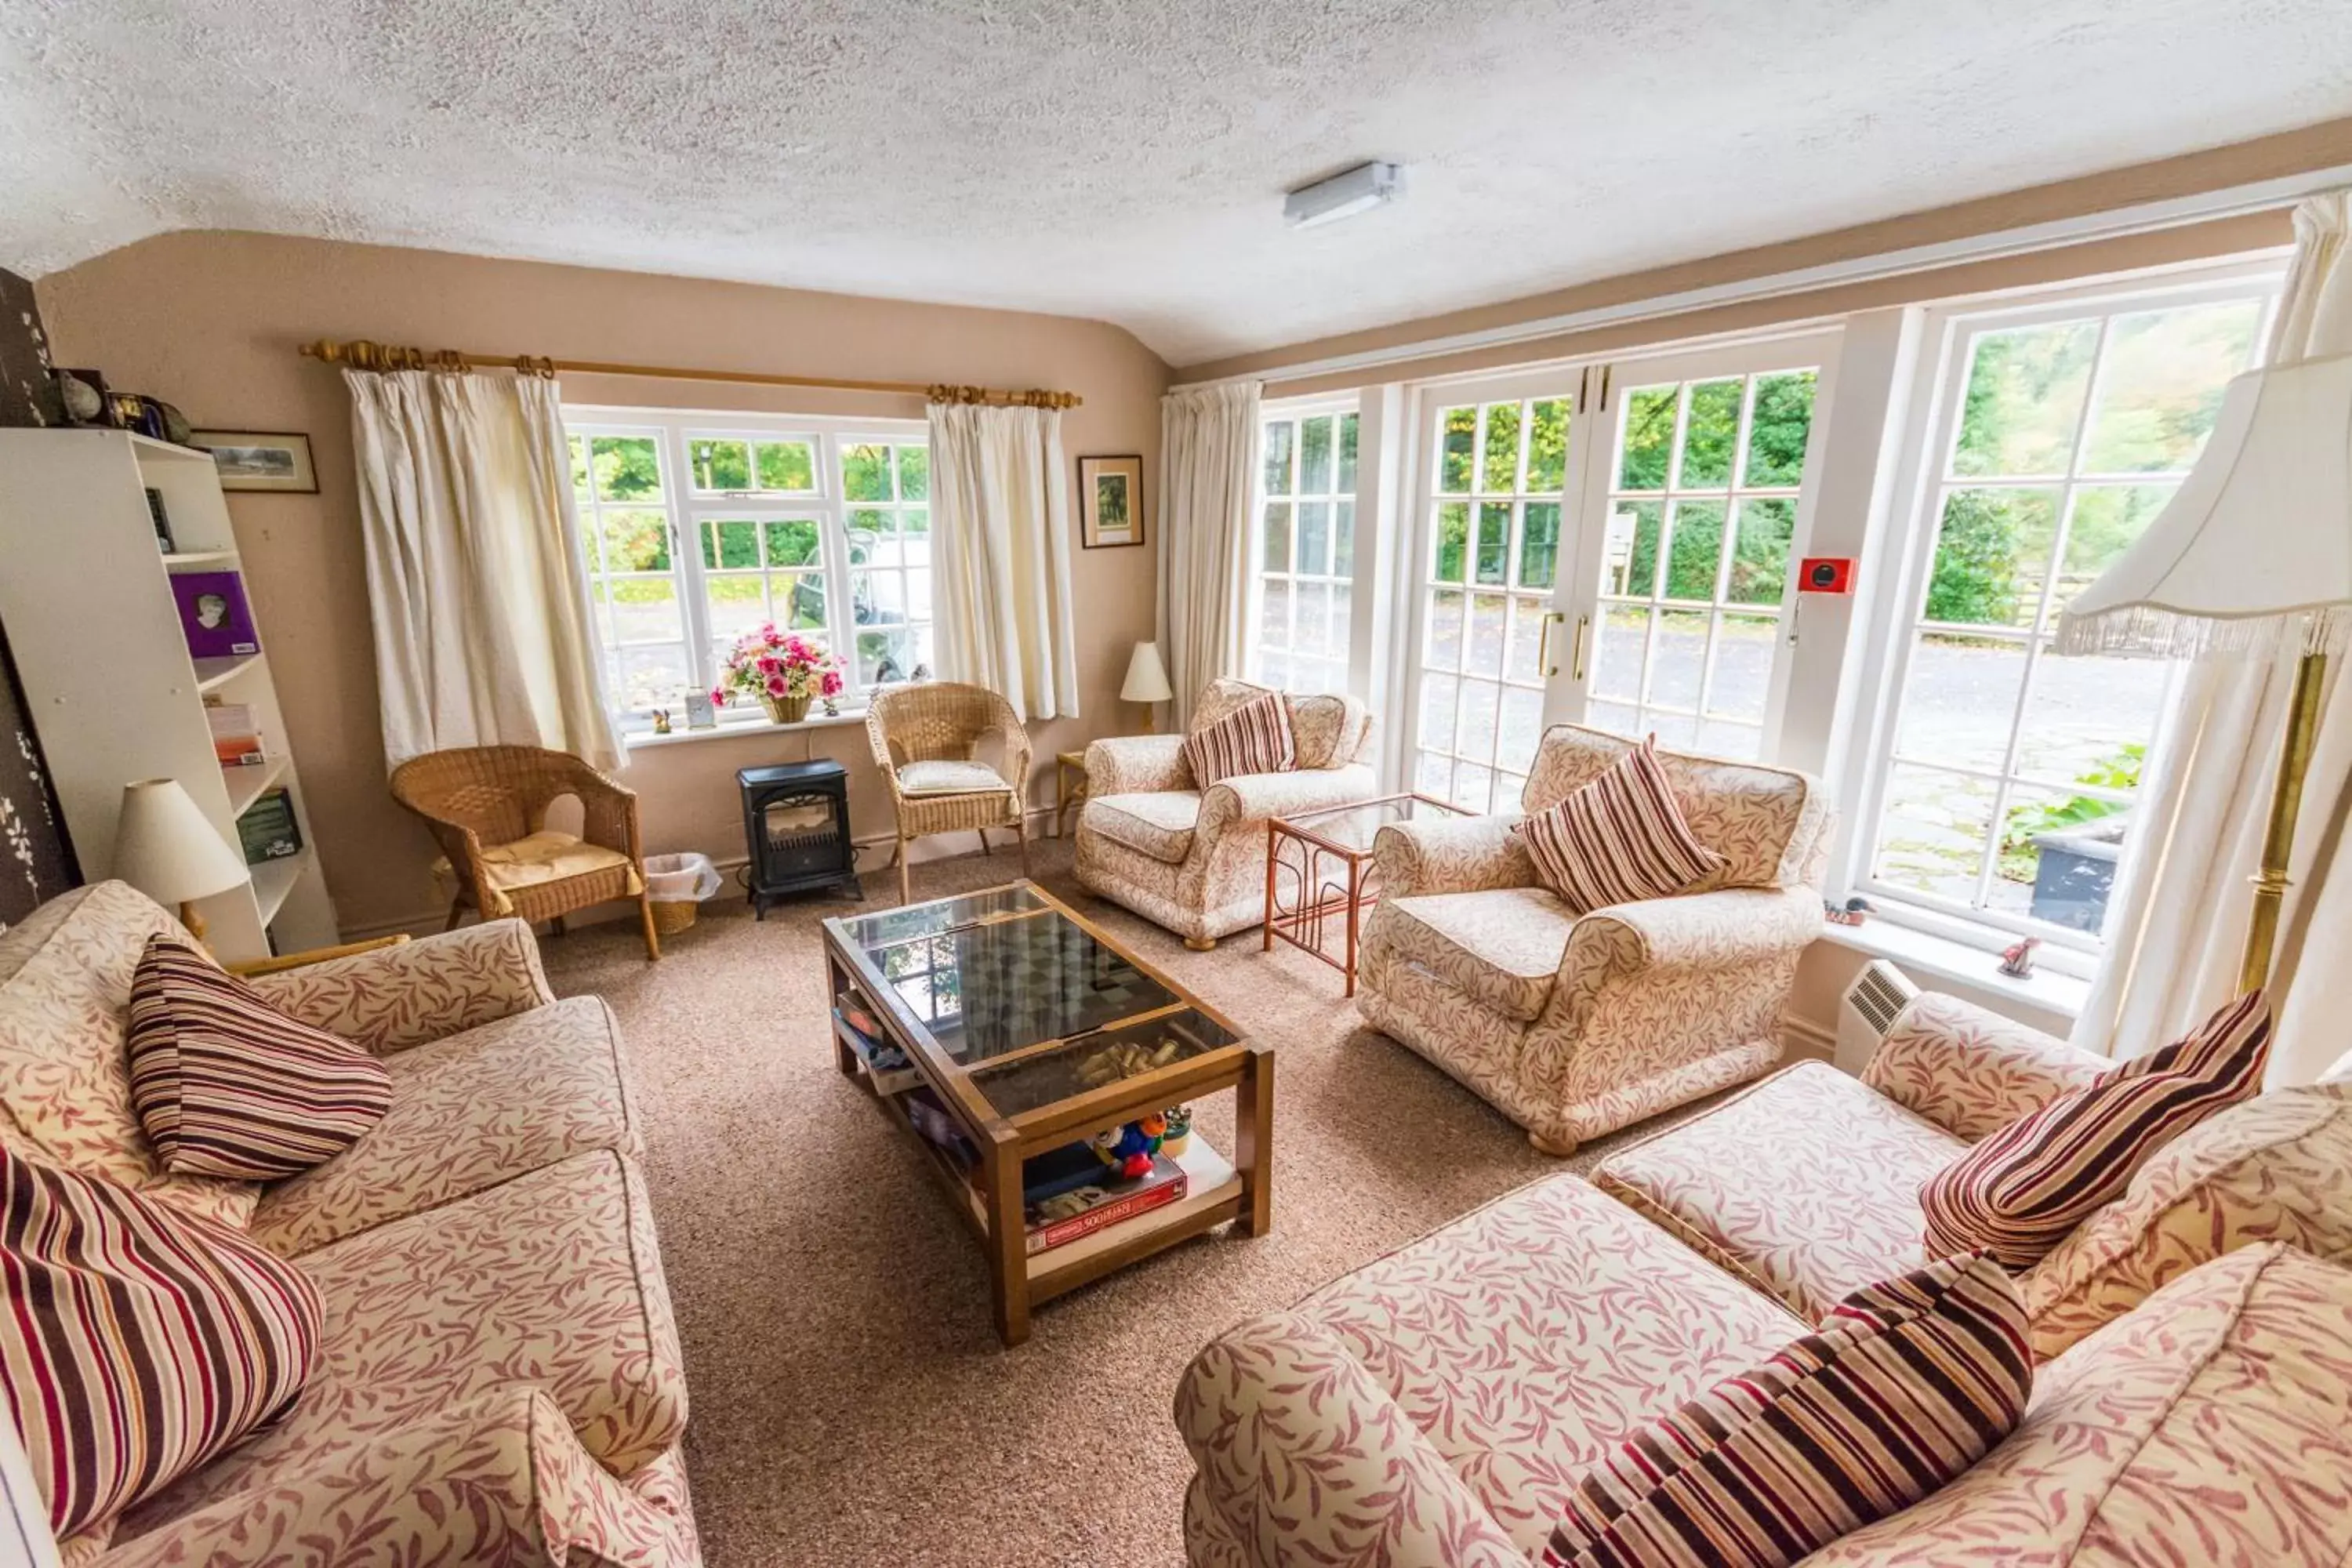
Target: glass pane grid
pixel 1305 550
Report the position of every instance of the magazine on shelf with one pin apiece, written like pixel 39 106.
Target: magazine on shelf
pixel 865 1038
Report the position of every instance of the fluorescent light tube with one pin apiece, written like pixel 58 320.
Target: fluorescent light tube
pixel 1361 189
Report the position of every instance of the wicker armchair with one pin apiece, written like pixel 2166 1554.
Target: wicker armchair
pixel 488 806
pixel 926 740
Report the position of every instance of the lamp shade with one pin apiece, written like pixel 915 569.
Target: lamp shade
pixel 166 849
pixel 2255 548
pixel 1147 678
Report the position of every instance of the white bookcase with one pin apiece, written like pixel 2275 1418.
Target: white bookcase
pixel 86 597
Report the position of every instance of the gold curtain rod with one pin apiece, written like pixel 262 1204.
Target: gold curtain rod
pixel 365 355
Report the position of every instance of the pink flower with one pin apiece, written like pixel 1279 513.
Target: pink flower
pixel 832 683
pixel 776 686
pixel 719 697
pixel 769 664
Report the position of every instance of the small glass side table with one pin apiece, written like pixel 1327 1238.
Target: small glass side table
pixel 1318 866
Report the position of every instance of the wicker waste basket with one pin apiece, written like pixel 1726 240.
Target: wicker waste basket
pixel 677 884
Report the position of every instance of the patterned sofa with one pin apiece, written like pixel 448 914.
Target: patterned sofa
pixel 1435 1408
pixel 499 1377
pixel 1194 860
pixel 1576 1027
pixel 1806 1185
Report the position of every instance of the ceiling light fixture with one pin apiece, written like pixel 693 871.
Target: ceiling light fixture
pixel 1361 189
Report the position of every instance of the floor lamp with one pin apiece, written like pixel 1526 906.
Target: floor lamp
pixel 2253 555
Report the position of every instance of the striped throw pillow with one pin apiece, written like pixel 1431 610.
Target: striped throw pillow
pixel 1903 1386
pixel 226 1085
pixel 139 1342
pixel 1618 840
pixel 1252 739
pixel 2020 1192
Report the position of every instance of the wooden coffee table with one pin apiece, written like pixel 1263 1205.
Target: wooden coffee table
pixel 1318 865
pixel 1006 1005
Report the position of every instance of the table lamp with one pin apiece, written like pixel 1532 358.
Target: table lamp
pixel 2252 554
pixel 1147 682
pixel 166 849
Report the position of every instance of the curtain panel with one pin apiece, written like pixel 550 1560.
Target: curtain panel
pixel 2183 911
pixel 1207 453
pixel 476 579
pixel 1000 545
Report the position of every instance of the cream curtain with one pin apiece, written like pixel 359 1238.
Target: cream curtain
pixel 2181 924
pixel 1208 449
pixel 1000 550
pixel 474 576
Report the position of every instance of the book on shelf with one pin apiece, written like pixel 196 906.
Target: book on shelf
pixel 269 831
pixel 237 735
pixel 872 1046
pixel 1097 1205
pixel 213 614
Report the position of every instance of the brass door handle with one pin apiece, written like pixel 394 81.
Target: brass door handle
pixel 1576 654
pixel 1543 645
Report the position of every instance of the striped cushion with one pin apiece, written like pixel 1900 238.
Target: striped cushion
pixel 1903 1386
pixel 2020 1192
pixel 226 1085
pixel 1619 839
pixel 1254 738
pixel 138 1342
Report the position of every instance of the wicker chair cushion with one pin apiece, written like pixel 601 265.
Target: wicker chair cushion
pixel 950 778
pixel 539 857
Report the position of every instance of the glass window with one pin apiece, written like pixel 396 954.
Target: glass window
pixel 1306 551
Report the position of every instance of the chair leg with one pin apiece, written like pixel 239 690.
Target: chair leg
pixel 646 918
pixel 457 913
pixel 1201 944
pixel 1021 832
pixel 557 927
pixel 906 896
pixel 984 842
pixel 1552 1146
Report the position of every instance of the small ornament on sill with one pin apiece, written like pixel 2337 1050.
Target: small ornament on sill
pixel 832 708
pixel 661 721
pixel 1853 912
pixel 2017 961
pixel 922 672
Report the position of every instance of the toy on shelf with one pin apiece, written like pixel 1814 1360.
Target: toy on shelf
pixel 1853 912
pixel 1179 1135
pixel 1128 1150
pixel 2018 960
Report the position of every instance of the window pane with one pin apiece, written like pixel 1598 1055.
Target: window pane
pixel 867 472
pixel 1461 428
pixel 1527 640
pixel 1343 538
pixel 1274 616
pixel 1539 543
pixel 1522 727
pixel 737 603
pixel 1494 540
pixel 1342 615
pixel 1347 485
pixel 1696 550
pixel 580 490
pixel 731 544
pixel 1781 423
pixel 1274 669
pixel 1502 464
pixel 1485 655
pixel 2088 721
pixel 1712 437
pixel 1992 553
pixel 1315 537
pixel 653 676
pixel 1632 566
pixel 1934 833
pixel 2162 385
pixel 1432 776
pixel 1675 732
pixel 1440 699
pixel 1278 536
pixel 1649 439
pixel 799 598
pixel 1281 436
pixel 1676 654
pixel 1618 652
pixel 883 656
pixel 637 542
pixel 791 543
pixel 881 598
pixel 1481 703
pixel 1722 738
pixel 790 465
pixel 720 465
pixel 1444 650
pixel 2024 399
pixel 914 473
pixel 1614 717
pixel 1314 456
pixel 2109 520
pixel 1311 633
pixel 627 467
pixel 1759 556
pixel 1744 646
pixel 1547 445
pixel 1960 697
pixel 645 609
pixel 1452 541
pixel 1473 786
pixel 2058 856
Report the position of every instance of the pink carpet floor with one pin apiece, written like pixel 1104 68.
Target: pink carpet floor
pixel 850 1402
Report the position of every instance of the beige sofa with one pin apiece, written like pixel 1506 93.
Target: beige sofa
pixel 1436 1406
pixel 1194 860
pixel 1575 1027
pixel 499 1377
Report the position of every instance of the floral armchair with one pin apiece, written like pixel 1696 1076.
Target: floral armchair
pixel 1194 860
pixel 1573 1025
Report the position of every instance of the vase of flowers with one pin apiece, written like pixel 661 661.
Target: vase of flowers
pixel 784 672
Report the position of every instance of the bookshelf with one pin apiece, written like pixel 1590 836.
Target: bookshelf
pixel 86 596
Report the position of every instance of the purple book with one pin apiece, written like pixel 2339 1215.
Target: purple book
pixel 212 613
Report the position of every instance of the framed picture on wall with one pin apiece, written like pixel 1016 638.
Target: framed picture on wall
pixel 1110 501
pixel 259 459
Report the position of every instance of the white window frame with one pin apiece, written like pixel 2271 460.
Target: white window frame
pixel 674 431
pixel 1900 598
pixel 1295 411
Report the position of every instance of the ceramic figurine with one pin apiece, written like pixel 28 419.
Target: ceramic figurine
pixel 2018 962
pixel 661 721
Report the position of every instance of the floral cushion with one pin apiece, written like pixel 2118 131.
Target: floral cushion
pixel 1771 825
pixel 1806 1185
pixel 1160 823
pixel 1500 945
pixel 1619 839
pixel 949 777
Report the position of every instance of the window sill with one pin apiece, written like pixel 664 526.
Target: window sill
pixel 815 720
pixel 1957 962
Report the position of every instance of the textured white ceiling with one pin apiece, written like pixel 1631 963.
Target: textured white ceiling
pixel 1124 161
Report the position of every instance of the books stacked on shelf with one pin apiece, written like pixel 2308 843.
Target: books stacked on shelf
pixel 1066 1201
pixel 889 1064
pixel 268 829
pixel 237 738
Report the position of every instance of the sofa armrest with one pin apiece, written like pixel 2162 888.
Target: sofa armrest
pixel 1731 929
pixel 418 992
pixel 497 1479
pixel 1247 800
pixel 1133 764
pixel 1452 855
pixel 1306 1459
pixel 1971 1072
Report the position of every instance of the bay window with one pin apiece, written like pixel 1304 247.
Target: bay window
pixel 1303 549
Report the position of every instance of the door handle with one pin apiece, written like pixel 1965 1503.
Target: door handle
pixel 1576 653
pixel 1543 643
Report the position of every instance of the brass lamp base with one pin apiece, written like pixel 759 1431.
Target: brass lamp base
pixel 194 922
pixel 2278 838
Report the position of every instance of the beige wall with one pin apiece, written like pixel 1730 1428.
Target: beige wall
pixel 210 322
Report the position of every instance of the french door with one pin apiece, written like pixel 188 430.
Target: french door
pixel 1607 544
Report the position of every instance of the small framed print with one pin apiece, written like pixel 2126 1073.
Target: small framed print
pixel 1110 501
pixel 260 460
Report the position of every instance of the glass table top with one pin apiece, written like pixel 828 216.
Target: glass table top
pixel 1353 827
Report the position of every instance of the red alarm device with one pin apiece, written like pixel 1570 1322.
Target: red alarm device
pixel 1826 574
